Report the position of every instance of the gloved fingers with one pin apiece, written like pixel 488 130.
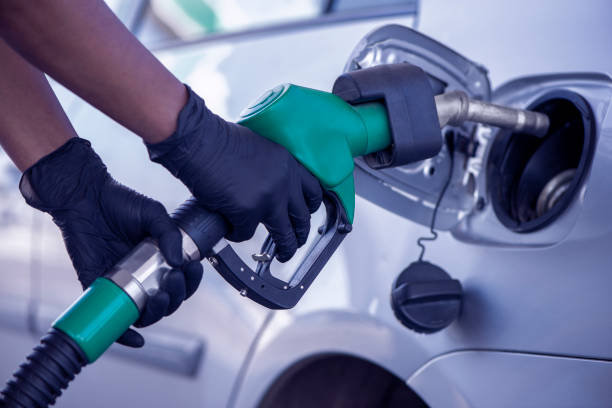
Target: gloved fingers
pixel 177 285
pixel 87 275
pixel 171 247
pixel 281 230
pixel 242 231
pixel 94 256
pixel 160 226
pixel 193 276
pixel 313 194
pixel 131 338
pixel 299 215
pixel 174 285
pixel 155 309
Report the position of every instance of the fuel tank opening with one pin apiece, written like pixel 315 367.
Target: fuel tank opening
pixel 533 180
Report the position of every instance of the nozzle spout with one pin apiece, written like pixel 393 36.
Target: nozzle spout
pixel 456 107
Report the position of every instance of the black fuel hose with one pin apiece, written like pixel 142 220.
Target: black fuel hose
pixel 47 371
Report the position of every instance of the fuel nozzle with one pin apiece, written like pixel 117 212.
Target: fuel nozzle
pixel 456 107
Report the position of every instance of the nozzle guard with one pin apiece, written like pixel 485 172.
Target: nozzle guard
pixel 260 285
pixel 406 92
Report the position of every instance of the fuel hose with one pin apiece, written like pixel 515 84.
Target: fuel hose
pixel 104 311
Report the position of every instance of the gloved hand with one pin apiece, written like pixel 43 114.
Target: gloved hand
pixel 240 175
pixel 102 220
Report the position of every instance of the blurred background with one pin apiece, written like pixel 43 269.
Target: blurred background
pixel 230 52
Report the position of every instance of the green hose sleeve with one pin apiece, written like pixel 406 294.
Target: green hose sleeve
pixel 98 317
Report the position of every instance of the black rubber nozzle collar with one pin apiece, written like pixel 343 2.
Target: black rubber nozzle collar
pixel 406 91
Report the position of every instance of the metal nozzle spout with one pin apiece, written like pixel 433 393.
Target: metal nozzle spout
pixel 456 107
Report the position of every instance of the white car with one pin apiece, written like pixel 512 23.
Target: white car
pixel 534 328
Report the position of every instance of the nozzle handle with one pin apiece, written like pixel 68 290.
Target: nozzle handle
pixel 260 285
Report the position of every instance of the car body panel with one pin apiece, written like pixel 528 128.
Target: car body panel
pixel 501 379
pixel 518 38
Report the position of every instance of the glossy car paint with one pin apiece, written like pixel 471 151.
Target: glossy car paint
pixel 482 379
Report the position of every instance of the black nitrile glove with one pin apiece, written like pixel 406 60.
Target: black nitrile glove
pixel 102 220
pixel 240 175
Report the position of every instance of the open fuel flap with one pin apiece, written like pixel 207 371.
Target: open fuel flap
pixel 506 189
pixel 412 190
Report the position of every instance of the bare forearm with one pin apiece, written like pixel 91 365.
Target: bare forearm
pixel 32 122
pixel 85 47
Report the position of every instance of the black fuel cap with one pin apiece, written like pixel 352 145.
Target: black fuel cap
pixel 425 298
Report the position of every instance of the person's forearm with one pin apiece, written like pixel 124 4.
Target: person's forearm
pixel 32 122
pixel 82 45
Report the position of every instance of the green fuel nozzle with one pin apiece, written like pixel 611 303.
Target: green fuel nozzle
pixel 322 131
